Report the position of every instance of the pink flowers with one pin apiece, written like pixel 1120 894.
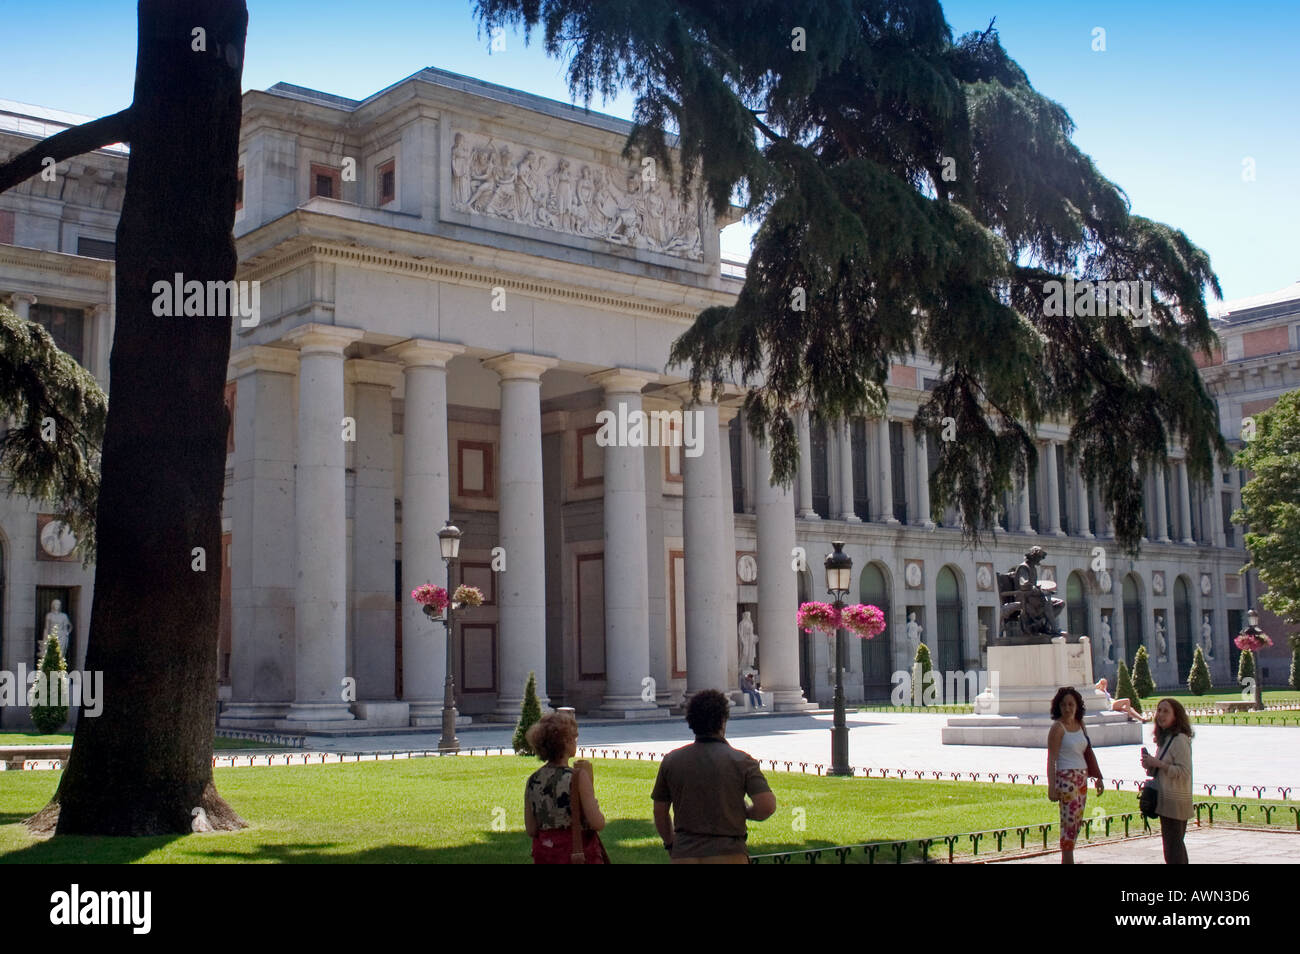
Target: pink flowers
pixel 429 595
pixel 861 619
pixel 1249 642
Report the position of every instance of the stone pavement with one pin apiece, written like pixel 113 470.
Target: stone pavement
pixel 1205 846
pixel 1222 755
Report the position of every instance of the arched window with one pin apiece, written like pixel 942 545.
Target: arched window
pixel 1183 644
pixel 1134 634
pixel 948 609
pixel 877 654
pixel 1076 607
pixel 805 639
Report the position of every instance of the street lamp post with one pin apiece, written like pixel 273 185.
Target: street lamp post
pixel 1252 629
pixel 449 540
pixel 839 573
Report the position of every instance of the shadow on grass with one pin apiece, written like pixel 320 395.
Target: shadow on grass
pixel 86 849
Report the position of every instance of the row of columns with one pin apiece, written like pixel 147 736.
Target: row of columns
pixel 300 571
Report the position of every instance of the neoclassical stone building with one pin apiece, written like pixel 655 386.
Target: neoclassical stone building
pixel 455 279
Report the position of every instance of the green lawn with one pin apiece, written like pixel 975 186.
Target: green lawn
pixel 37 738
pixel 444 810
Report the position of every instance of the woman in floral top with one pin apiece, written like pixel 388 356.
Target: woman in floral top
pixel 547 797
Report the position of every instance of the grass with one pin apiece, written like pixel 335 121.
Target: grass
pixel 57 738
pixel 469 809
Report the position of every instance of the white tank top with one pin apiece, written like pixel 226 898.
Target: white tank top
pixel 1073 745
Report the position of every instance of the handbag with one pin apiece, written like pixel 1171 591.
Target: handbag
pixel 1149 797
pixel 1090 757
pixel 588 842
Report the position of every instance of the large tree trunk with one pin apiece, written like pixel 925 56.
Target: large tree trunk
pixel 145 763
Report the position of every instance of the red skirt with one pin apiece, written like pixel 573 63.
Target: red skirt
pixel 554 846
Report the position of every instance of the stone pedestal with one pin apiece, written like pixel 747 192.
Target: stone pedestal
pixel 1015 708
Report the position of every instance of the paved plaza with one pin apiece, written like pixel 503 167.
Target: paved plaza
pixel 1205 846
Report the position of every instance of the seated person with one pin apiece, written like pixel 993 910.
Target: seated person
pixel 748 688
pixel 1119 705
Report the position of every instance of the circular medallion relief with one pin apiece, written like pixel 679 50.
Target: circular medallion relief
pixel 984 577
pixel 1158 583
pixel 1206 586
pixel 747 569
pixel 57 539
pixel 913 574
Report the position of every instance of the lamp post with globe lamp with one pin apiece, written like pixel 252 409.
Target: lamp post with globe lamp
pixel 449 540
pixel 839 576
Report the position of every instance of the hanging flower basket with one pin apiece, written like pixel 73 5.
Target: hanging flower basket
pixel 864 620
pixel 432 598
pixel 467 596
pixel 818 617
pixel 1251 642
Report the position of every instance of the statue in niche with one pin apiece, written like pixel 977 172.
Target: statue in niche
pixel 1207 636
pixel 461 185
pixel 748 642
pixel 1162 647
pixel 1105 637
pixel 914 632
pixel 58 625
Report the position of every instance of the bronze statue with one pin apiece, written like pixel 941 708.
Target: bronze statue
pixel 1029 609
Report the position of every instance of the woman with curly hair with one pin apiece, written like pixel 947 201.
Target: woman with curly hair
pixel 556 793
pixel 1068 766
pixel 1172 771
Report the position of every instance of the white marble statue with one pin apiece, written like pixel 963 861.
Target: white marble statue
pixel 58 625
pixel 914 631
pixel 748 641
pixel 1105 638
pixel 1207 637
pixel 1162 647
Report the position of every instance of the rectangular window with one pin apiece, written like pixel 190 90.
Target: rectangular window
pixel 65 325
pixel 96 248
pixel 1229 530
pixel 861 479
pixel 326 182
pixel 6 228
pixel 821 490
pixel 386 183
pixel 591 457
pixel 1033 493
pixel 1062 498
pixel 474 470
pixel 898 465
pixel 239 189
pixel 737 466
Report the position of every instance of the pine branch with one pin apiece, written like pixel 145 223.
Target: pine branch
pixel 74 141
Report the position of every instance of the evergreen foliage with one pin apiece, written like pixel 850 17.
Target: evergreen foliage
pixel 1198 678
pixel 49 708
pixel 1124 687
pixel 52 453
pixel 922 657
pixel 1294 681
pixel 529 713
pixel 1245 667
pixel 1270 504
pixel 916 193
pixel 1143 684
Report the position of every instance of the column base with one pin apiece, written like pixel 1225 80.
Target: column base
pixel 626 707
pixel 809 515
pixel 850 518
pixel 787 700
pixel 309 716
pixel 507 710
pixel 1163 540
pixel 385 712
pixel 889 521
pixel 1057 533
pixel 1086 534
pixel 1189 543
pixel 252 715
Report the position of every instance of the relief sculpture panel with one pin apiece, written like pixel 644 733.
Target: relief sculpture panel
pixel 538 188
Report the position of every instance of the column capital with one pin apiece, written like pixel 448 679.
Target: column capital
pixel 27 297
pixel 518 365
pixel 316 338
pixel 262 358
pixel 99 311
pixel 423 353
pixel 682 392
pixel 618 380
pixel 384 374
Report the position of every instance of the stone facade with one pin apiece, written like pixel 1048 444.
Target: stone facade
pixel 456 280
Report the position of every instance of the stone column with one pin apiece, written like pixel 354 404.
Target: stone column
pixel 627 622
pixel 426 504
pixel 922 478
pixel 656 567
pixel 1081 500
pixel 523 587
pixel 778 591
pixel 1162 516
pixel 806 511
pixel 1024 519
pixel 262 566
pixel 729 595
pixel 101 318
pixel 884 475
pixel 1053 491
pixel 1184 503
pixel 320 507
pixel 374 531
pixel 22 304
pixel 844 434
pixel 1216 510
pixel 1104 528
pixel 708 619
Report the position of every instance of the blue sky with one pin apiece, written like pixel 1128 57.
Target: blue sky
pixel 1182 95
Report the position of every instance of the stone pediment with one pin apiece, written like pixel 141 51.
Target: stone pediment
pixel 495 178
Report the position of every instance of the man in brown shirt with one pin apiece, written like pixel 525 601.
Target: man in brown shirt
pixel 705 784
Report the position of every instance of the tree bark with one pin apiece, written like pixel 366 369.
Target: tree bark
pixel 145 763
pixel 71 142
